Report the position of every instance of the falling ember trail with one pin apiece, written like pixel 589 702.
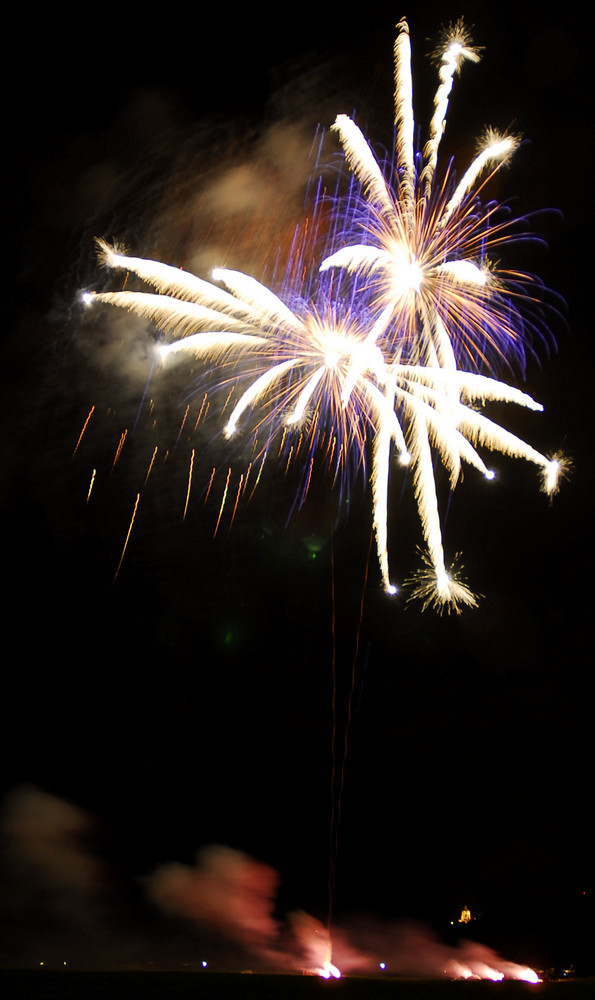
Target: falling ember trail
pixel 235 506
pixel 93 474
pixel 151 465
pixel 258 476
pixel 189 485
pixel 202 410
pixel 120 446
pixel 83 430
pixel 127 536
pixel 182 425
pixel 222 502
pixel 213 471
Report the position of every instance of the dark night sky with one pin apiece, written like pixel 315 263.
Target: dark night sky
pixel 189 703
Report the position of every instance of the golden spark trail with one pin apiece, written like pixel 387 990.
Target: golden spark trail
pixel 83 430
pixel 288 461
pixel 247 477
pixel 151 464
pixel 127 536
pixel 202 409
pixel 119 448
pixel 235 506
pixel 93 474
pixel 189 485
pixel 309 477
pixel 222 502
pixel 258 476
pixel 210 484
pixel 183 422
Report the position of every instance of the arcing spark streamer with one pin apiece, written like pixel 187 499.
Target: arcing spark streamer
pixel 399 350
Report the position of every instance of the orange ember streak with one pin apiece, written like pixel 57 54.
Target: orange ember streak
pixel 120 446
pixel 209 486
pixel 150 465
pixel 222 502
pixel 235 506
pixel 224 407
pixel 247 477
pixel 91 484
pixel 258 476
pixel 127 536
pixel 84 429
pixel 200 412
pixel 183 421
pixel 333 446
pixel 189 484
pixel 307 487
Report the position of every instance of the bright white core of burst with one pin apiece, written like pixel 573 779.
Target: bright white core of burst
pixel 407 274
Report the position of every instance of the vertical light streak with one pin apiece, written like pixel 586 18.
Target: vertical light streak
pixel 93 474
pixel 235 506
pixel 213 471
pixel 189 485
pixel 182 424
pixel 404 120
pixel 120 446
pixel 151 464
pixel 456 51
pixel 259 474
pixel 127 536
pixel 222 502
pixel 80 437
pixel 203 409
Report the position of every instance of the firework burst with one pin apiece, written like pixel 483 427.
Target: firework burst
pixel 396 344
pixel 288 367
pixel 425 257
